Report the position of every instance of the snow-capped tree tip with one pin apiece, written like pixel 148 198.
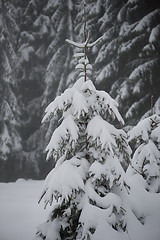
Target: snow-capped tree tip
pixel 84 44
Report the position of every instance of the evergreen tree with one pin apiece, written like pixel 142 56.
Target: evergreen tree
pixel 62 14
pixel 127 59
pixel 10 140
pixel 146 158
pixel 138 58
pixel 107 64
pixel 35 29
pixel 41 46
pixel 84 187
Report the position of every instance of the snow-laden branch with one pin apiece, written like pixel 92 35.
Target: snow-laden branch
pixel 103 134
pixel 109 102
pixel 59 103
pixel 79 45
pixel 147 20
pixel 65 179
pixel 67 131
pixel 94 43
pixel 144 128
pixel 84 44
pixel 110 200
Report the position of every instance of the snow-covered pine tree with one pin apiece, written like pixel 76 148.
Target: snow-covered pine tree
pixel 146 158
pixel 138 58
pixel 62 14
pixel 36 32
pixel 106 61
pixel 10 140
pixel 127 59
pixel 42 55
pixel 85 185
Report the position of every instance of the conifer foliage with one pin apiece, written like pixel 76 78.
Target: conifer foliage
pixel 146 158
pixel 89 151
pixel 37 61
pixel 10 140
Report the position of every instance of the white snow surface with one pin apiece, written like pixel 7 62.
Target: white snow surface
pixel 145 205
pixel 20 213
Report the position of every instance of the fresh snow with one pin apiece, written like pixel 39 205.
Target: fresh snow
pixel 106 72
pixel 70 179
pixel 142 69
pixel 20 213
pixel 146 206
pixel 147 21
pixel 143 128
pixel 155 34
pixel 79 45
pixel 103 133
pixel 157 107
pixel 25 50
pixel 84 44
pixel 68 127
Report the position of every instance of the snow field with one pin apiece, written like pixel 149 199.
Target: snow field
pixel 146 206
pixel 20 212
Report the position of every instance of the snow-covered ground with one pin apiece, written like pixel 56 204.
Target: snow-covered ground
pixel 19 211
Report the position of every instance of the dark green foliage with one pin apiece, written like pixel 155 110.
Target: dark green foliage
pixel 36 62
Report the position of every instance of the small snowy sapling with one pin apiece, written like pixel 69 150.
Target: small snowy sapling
pixel 146 158
pixel 85 185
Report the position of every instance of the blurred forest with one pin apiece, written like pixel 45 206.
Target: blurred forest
pixel 36 65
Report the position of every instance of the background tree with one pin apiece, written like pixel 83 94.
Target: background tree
pixel 126 61
pixel 36 32
pixel 138 58
pixel 10 140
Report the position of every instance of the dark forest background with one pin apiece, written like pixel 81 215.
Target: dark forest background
pixel 36 65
